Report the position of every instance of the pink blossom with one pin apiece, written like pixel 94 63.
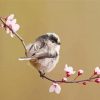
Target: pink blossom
pixel 97 71
pixel 55 88
pixel 69 70
pixel 80 72
pixel 12 26
pixel 97 80
pixel 64 79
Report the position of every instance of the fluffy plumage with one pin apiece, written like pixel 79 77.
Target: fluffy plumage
pixel 43 54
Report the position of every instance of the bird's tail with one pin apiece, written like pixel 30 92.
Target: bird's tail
pixel 25 58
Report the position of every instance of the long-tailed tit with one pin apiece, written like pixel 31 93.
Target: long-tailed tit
pixel 43 54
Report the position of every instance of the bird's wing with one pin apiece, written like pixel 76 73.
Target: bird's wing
pixel 32 48
pixel 39 50
pixel 41 54
pixel 45 52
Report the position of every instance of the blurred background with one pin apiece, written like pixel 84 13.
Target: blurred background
pixel 77 22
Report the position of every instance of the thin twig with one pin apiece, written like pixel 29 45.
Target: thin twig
pixel 76 77
pixel 17 35
pixel 74 81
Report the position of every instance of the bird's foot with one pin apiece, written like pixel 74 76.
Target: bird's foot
pixel 41 74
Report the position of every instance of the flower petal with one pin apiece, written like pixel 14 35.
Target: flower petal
pixel 69 70
pixel 8 22
pixel 97 71
pixel 97 68
pixel 7 30
pixel 15 28
pixel 13 21
pixel 52 88
pixel 64 79
pixel 12 35
pixel 57 89
pixel 66 67
pixel 10 17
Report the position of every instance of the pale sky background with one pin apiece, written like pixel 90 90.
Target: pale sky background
pixel 77 22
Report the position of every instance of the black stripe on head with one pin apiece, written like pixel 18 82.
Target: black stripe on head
pixel 50 37
pixel 54 39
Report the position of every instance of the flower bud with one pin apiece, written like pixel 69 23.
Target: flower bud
pixel 84 83
pixel 80 72
pixel 97 80
pixel 97 71
pixel 64 79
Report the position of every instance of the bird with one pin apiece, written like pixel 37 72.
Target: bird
pixel 43 53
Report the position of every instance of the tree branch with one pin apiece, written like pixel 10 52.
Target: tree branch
pixel 73 81
pixel 17 35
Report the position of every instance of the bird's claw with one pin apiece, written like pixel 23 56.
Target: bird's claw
pixel 41 74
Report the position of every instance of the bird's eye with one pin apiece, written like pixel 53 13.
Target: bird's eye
pixel 53 41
